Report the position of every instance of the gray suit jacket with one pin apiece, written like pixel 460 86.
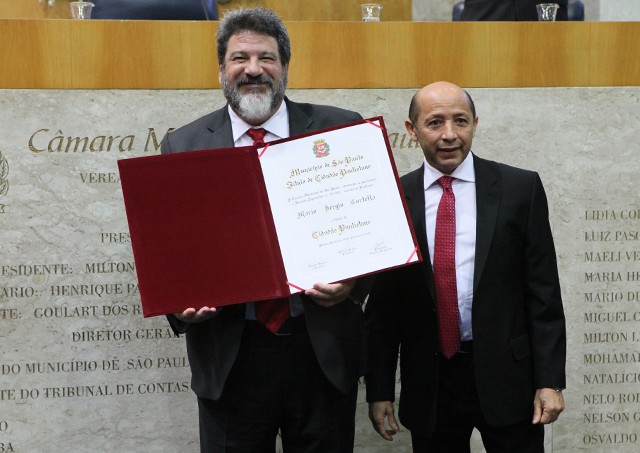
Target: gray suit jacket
pixel 335 332
pixel 519 338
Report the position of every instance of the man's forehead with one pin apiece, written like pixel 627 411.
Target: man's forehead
pixel 440 108
pixel 252 42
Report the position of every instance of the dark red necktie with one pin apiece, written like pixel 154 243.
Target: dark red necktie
pixel 271 313
pixel 258 136
pixel 444 270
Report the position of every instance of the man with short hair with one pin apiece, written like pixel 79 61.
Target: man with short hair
pixel 479 324
pixel 252 382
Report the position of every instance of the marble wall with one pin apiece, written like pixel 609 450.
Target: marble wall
pixel 619 10
pixel 81 370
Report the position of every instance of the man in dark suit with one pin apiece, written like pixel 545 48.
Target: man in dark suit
pixel 299 379
pixel 506 370
pixel 519 10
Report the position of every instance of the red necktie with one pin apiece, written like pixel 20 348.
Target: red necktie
pixel 258 136
pixel 444 270
pixel 271 313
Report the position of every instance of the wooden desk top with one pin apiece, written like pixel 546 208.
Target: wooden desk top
pixel 68 54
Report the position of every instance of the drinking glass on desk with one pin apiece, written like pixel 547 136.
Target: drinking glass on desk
pixel 81 10
pixel 547 11
pixel 370 12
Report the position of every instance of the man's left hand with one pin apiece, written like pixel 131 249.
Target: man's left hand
pixel 547 405
pixel 329 294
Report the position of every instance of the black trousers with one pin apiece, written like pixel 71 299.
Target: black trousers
pixel 277 387
pixel 459 413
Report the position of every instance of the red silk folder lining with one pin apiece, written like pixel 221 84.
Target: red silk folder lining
pixel 193 244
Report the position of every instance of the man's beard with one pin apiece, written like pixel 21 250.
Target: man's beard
pixel 256 105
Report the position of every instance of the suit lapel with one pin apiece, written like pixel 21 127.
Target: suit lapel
pixel 487 205
pixel 220 129
pixel 299 121
pixel 414 194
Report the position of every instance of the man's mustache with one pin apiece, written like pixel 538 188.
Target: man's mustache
pixel 251 80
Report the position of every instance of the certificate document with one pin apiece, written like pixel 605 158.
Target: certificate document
pixel 336 204
pixel 225 226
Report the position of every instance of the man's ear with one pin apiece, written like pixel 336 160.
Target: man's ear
pixel 411 130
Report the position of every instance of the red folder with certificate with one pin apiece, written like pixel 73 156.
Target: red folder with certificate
pixel 233 225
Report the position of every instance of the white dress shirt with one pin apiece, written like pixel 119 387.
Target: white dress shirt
pixel 464 190
pixel 277 127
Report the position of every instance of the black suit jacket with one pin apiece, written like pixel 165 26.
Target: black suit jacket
pixel 335 332
pixel 501 10
pixel 517 315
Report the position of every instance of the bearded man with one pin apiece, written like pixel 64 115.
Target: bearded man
pixel 252 382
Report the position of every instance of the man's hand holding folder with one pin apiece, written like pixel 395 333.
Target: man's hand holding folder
pixel 323 294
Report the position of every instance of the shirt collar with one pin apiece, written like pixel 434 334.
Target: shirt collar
pixel 277 125
pixel 464 172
